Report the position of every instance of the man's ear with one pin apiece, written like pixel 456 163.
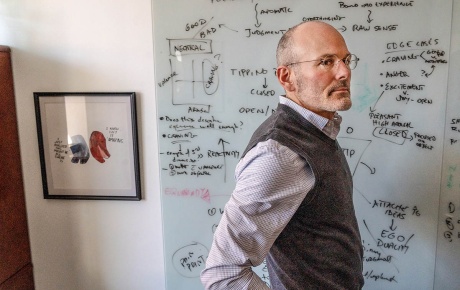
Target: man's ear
pixel 286 78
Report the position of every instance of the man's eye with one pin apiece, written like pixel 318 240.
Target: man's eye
pixel 327 62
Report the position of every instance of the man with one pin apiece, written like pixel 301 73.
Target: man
pixel 292 203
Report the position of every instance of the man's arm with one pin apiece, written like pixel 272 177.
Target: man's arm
pixel 271 182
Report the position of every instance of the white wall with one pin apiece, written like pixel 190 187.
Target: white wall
pixel 103 45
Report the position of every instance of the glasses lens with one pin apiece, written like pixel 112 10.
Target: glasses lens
pixel 353 61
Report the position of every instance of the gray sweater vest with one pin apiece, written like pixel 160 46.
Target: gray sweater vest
pixel 320 248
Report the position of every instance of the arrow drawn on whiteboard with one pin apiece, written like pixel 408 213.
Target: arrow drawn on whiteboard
pixel 257 19
pixel 426 74
pixel 369 20
pixel 221 141
pixel 223 25
pixel 372 170
pixel 393 227
pixel 373 109
pixel 360 145
pixel 354 187
pixel 265 84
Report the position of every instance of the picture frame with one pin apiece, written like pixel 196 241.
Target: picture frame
pixel 88 145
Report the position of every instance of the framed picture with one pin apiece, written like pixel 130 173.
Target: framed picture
pixel 88 145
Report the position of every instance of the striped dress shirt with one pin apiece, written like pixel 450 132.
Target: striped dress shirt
pixel 271 182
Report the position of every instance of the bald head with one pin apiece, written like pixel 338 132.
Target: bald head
pixel 304 55
pixel 304 38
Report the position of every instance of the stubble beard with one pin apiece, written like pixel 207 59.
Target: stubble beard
pixel 343 101
pixel 325 99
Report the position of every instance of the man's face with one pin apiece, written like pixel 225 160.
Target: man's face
pixel 321 90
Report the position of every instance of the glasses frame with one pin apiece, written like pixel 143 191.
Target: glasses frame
pixel 350 56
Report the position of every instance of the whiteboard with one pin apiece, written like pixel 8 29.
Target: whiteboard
pixel 215 83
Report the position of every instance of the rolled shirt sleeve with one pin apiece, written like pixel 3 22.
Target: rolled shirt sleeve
pixel 271 183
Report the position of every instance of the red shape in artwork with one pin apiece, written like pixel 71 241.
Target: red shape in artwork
pixel 98 146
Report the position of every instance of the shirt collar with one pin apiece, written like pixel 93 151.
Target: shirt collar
pixel 329 127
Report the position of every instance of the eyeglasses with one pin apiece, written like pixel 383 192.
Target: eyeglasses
pixel 329 62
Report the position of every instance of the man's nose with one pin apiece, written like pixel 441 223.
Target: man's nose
pixel 342 70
